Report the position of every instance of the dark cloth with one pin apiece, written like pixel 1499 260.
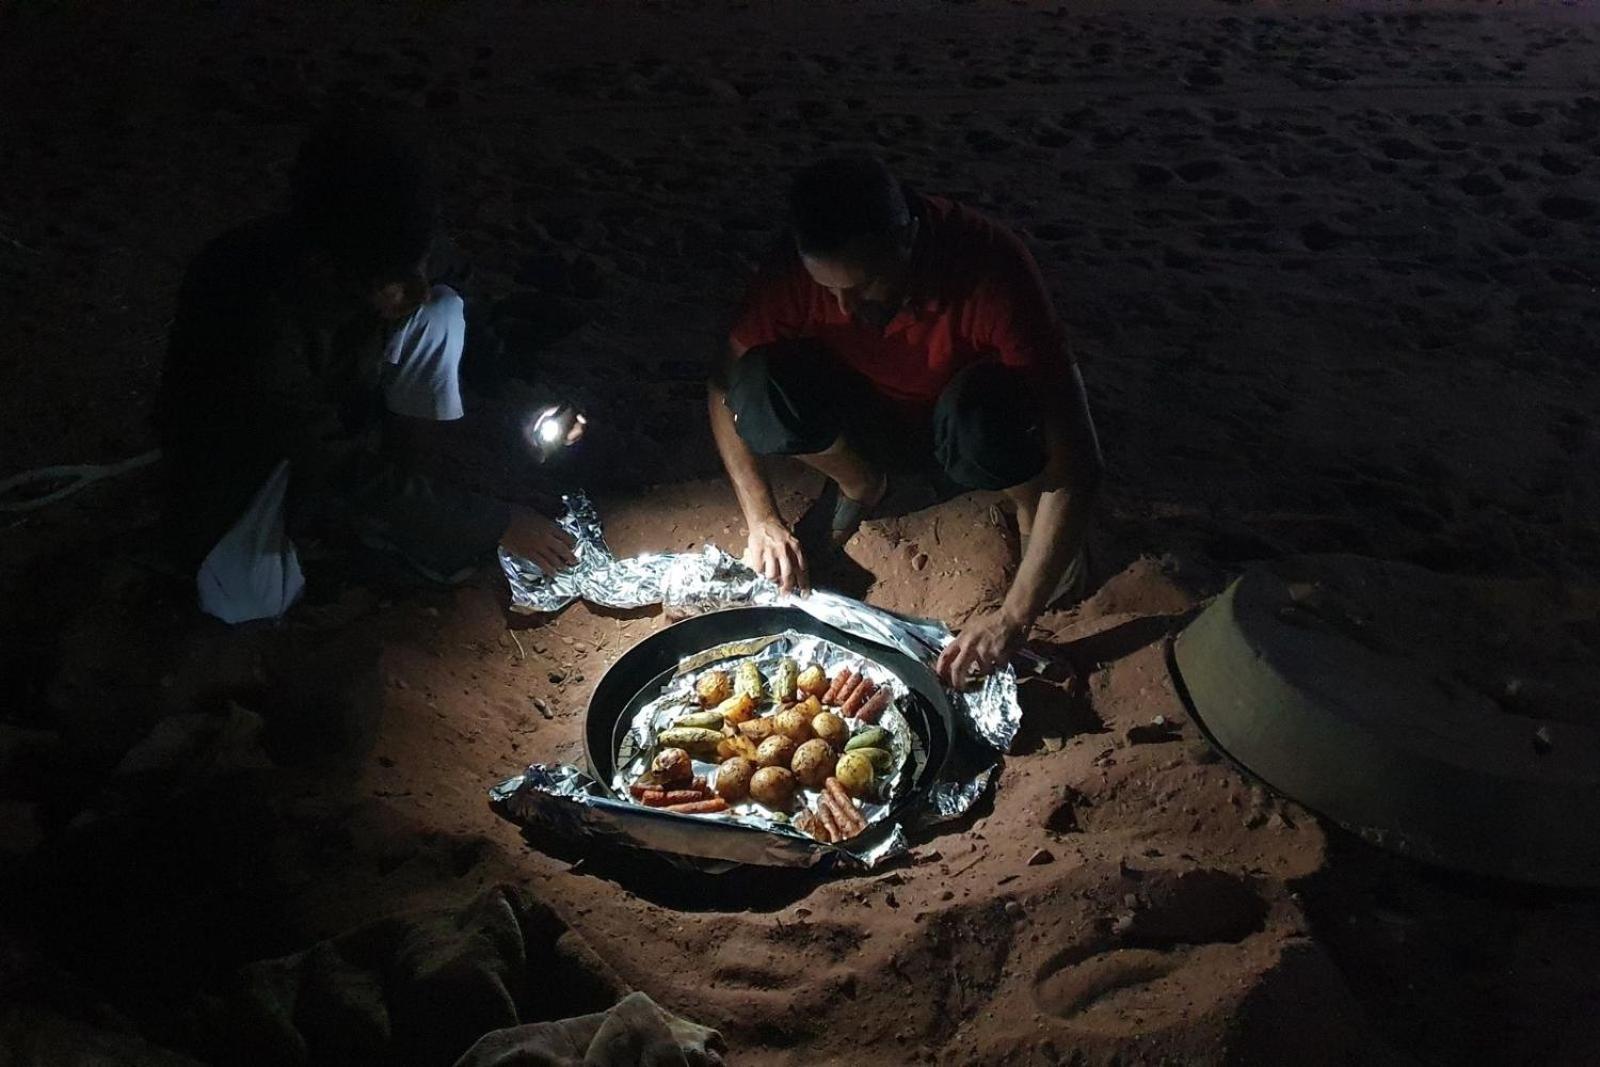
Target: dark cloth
pixel 261 367
pixel 975 295
pixel 798 398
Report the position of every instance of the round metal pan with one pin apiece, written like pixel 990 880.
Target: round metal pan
pixel 638 675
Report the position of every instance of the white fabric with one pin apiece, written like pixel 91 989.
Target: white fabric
pixel 424 357
pixel 254 571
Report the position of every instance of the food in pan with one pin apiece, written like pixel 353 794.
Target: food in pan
pixel 732 779
pixel 776 751
pixel 770 736
pixel 784 681
pixel 671 766
pixel 855 773
pixel 747 679
pixel 830 728
pixel 773 787
pixel 713 688
pixel 813 763
pixel 813 681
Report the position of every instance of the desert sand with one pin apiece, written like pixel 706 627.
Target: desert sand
pixel 1328 269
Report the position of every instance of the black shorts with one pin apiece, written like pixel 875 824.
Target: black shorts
pixel 796 398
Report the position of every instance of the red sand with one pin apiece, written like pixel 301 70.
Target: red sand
pixel 1328 268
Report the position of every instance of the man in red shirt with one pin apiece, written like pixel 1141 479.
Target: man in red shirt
pixel 896 327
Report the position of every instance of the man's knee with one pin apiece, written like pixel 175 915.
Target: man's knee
pixel 778 395
pixel 985 429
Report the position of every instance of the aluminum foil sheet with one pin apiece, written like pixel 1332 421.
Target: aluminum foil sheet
pixel 569 802
pixel 688 583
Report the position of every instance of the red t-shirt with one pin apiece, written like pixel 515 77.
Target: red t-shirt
pixel 975 293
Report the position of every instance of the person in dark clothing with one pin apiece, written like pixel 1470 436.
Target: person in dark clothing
pixel 894 328
pixel 309 366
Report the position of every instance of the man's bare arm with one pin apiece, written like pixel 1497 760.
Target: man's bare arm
pixel 1068 485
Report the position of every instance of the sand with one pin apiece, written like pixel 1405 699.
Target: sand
pixel 1329 273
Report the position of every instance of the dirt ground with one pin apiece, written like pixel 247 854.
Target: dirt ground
pixel 1328 270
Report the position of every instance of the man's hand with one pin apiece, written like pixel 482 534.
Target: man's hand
pixel 774 552
pixel 535 537
pixel 979 649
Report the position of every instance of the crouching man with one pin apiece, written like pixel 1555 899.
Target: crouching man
pixel 310 369
pixel 895 328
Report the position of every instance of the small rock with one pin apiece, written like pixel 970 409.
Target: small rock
pixel 919 561
pixel 557 676
pixel 1123 924
pixel 544 707
pixel 1040 857
pixel 948 894
pixel 1255 820
pixel 1013 910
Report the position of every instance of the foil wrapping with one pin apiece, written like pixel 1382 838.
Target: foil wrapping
pixel 568 802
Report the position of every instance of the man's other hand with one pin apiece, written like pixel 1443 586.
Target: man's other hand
pixel 774 552
pixel 535 537
pixel 980 648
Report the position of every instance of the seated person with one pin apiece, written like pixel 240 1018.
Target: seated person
pixel 308 361
pixel 893 328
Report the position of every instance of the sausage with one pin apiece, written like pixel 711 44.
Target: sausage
pixel 873 709
pixel 844 816
pixel 808 823
pixel 857 699
pixel 835 789
pixel 657 798
pixel 699 807
pixel 639 789
pixel 830 822
pixel 844 678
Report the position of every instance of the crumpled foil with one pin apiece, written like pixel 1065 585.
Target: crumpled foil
pixel 568 801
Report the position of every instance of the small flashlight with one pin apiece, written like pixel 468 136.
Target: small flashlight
pixel 555 428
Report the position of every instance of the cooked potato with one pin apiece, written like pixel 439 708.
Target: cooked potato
pixel 737 709
pixel 732 779
pixel 713 687
pixel 813 681
pixel 775 751
pixel 813 763
pixel 773 787
pixel 830 728
pixel 793 724
pixel 759 729
pixel 671 766
pixel 854 771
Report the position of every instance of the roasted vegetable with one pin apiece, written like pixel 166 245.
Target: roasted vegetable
pixel 775 751
pixel 773 787
pixel 737 709
pixel 854 772
pixel 705 720
pixel 671 766
pixel 813 681
pixel 793 724
pixel 872 737
pixel 759 729
pixel 813 763
pixel 747 679
pixel 881 758
pixel 732 780
pixel 698 742
pixel 713 687
pixel 830 728
pixel 784 679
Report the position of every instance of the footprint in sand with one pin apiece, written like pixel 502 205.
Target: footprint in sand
pixel 1167 913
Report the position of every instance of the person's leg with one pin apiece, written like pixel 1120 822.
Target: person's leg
pixel 440 530
pixel 796 399
pixel 987 436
